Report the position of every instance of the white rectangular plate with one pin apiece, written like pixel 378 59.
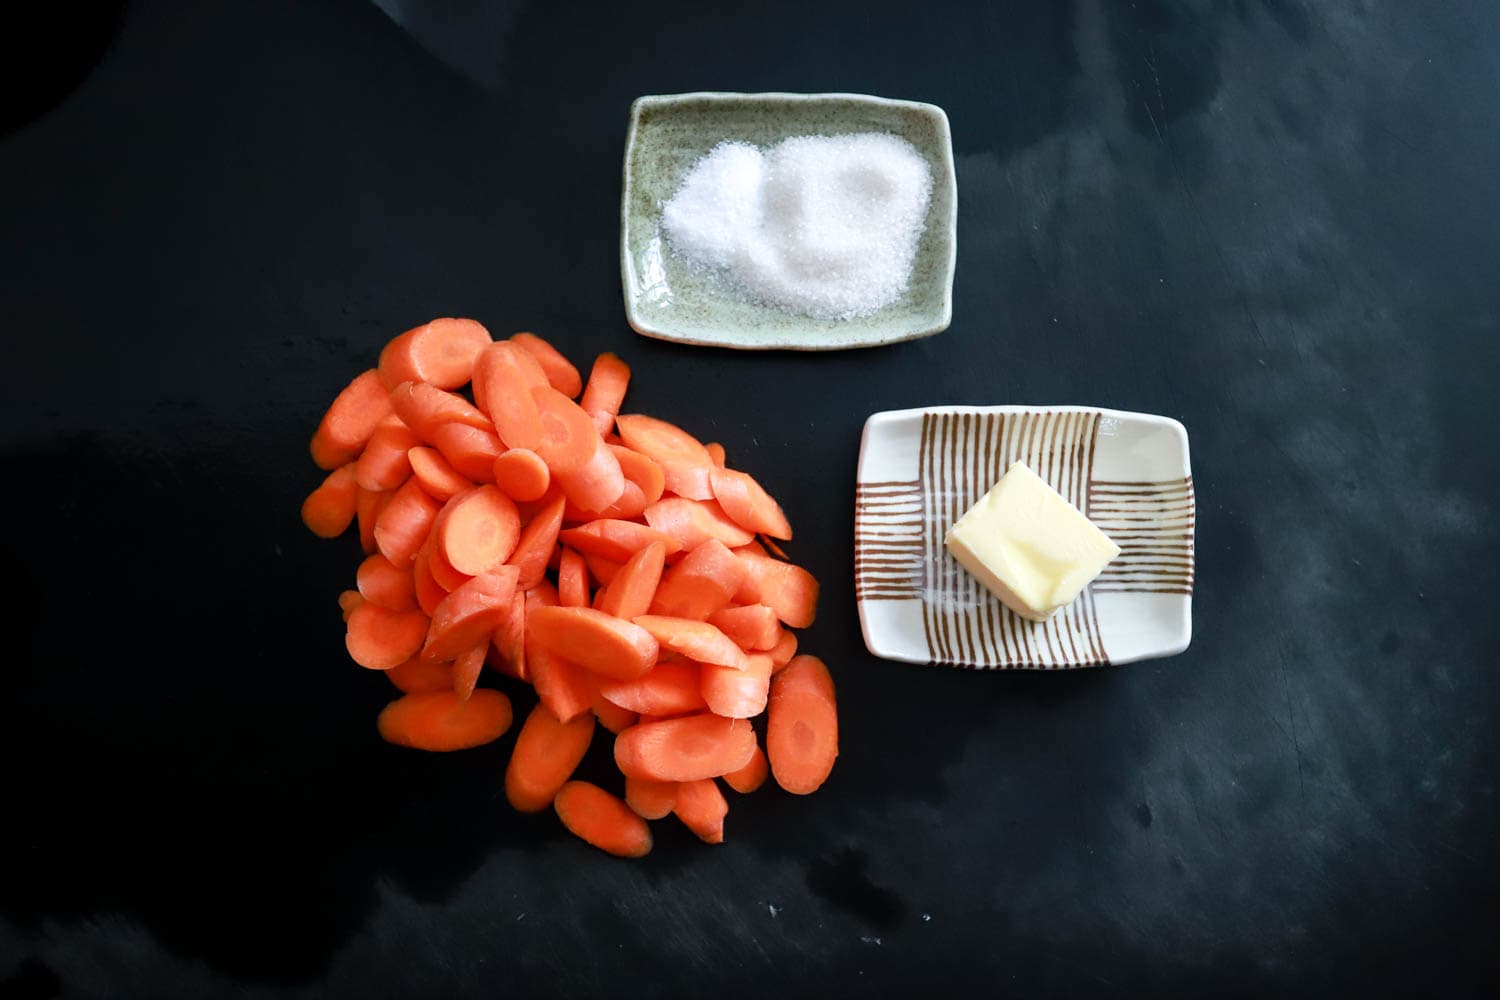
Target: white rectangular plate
pixel 919 470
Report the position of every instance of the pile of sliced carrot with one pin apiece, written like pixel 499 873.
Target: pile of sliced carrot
pixel 611 561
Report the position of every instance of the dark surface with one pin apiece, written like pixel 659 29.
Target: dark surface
pixel 1277 222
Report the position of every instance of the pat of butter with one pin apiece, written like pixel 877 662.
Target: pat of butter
pixel 1028 545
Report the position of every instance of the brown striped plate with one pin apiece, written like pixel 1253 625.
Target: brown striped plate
pixel 919 470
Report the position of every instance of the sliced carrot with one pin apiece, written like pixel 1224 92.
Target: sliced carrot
pixel 425 408
pixel 441 352
pixel 612 716
pixel 701 807
pixel 601 643
pixel 569 438
pixel 572 581
pixel 629 507
pixel 536 544
pixel 602 569
pixel 466 669
pixel 349 422
pixel 565 688
pixel 428 591
pixel 417 675
pixel 367 508
pixel 379 639
pixel 684 462
pixel 667 689
pixel 440 569
pixel 753 627
pixel 387 584
pixel 748 504
pixel 802 726
pixel 694 639
pixel 738 694
pixel 701 584
pixel 715 453
pixel 470 450
pixel 507 652
pixel 605 390
pixel 442 721
pixel 522 474
pixel 330 508
pixel 615 539
pixel 477 530
pixel 650 799
pixel 642 471
pixel 689 748
pixel 791 591
pixel 597 484
pixel 630 593
pixel 403 525
pixel 434 473
pixel 601 820
pixel 348 601
pixel 560 371
pixel 750 777
pixel 502 389
pixel 693 522
pixel 384 464
pixel 547 753
pixel 466 617
pixel 783 651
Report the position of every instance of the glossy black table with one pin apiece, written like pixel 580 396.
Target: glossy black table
pixel 1277 222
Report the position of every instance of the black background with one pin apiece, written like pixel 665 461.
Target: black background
pixel 1274 221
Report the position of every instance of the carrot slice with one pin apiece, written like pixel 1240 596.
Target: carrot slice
pixel 568 438
pixel 601 820
pixel 442 721
pixel 750 777
pixel 477 530
pixel 547 753
pixel 403 525
pixel 693 522
pixel 384 464
pixel 642 471
pixel 522 474
pixel 367 508
pixel 387 584
pixel 629 507
pixel 630 593
pixel 467 616
pixel 425 408
pixel 650 799
pixel 667 689
pixel 802 726
pixel 330 508
pixel 716 454
pixel 602 569
pixel 379 639
pixel 417 675
pixel 688 748
pixel 684 462
pixel 605 390
pixel 748 504
pixel 601 643
pixel 507 652
pixel 348 601
pixel 561 374
pixel 537 541
pixel 738 694
pixel 572 581
pixel 466 670
pixel 441 352
pixel 752 627
pixel 434 474
pixel 701 584
pixel 612 716
pixel 614 539
pixel 701 807
pixel 470 450
pixel 440 569
pixel 350 420
pixel 502 389
pixel 565 688
pixel 429 592
pixel 791 591
pixel 694 639
pixel 597 484
pixel 783 651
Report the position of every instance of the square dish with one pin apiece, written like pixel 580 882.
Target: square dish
pixel 666 299
pixel 920 470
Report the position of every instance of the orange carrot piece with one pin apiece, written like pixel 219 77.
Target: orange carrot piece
pixel 572 581
pixel 522 474
pixel 747 504
pixel 387 584
pixel 615 539
pixel 417 675
pixel 684 462
pixel 349 422
pixel 467 616
pixel 569 438
pixel 565 688
pixel 605 390
pixel 601 820
pixel 630 593
pixel 403 525
pixel 738 694
pixel 802 726
pixel 694 639
pixel 667 689
pixel 428 591
pixel 441 352
pixel 701 584
pixel 470 450
pixel 689 748
pixel 330 508
pixel 442 721
pixel 783 651
pixel 750 777
pixel 597 484
pixel 379 639
pixel 612 716
pixel 561 374
pixel 693 522
pixel 630 506
pixel 650 799
pixel 716 454
pixel 753 627
pixel 601 643
pixel 547 753
pixel 507 652
pixel 440 569
pixel 642 471
pixel 367 508
pixel 477 530
pixel 425 408
pixel 466 670
pixel 502 389
pixel 789 590
pixel 602 569
pixel 701 807
pixel 536 544
pixel 384 464
pixel 348 601
pixel 434 474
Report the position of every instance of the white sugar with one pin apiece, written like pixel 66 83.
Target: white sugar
pixel 824 226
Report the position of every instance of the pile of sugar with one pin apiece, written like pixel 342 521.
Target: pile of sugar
pixel 825 226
